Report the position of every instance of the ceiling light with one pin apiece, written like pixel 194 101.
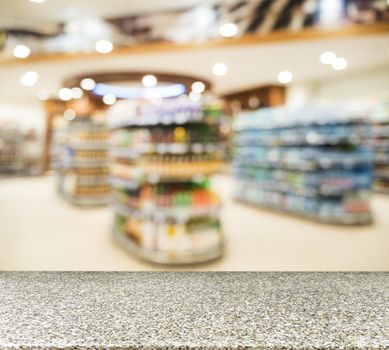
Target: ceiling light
pixel 69 114
pixel 88 84
pixel 43 94
pixel 330 12
pixel 327 57
pixel 38 1
pixel 219 69
pixel 198 87
pixel 21 51
pixel 194 96
pixel 285 77
pixel 149 80
pixel 77 93
pixel 29 78
pixel 104 46
pixel 339 64
pixel 228 30
pixel 109 99
pixel 65 94
pixel 163 91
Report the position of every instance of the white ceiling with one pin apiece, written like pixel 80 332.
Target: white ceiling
pixel 248 65
pixel 25 11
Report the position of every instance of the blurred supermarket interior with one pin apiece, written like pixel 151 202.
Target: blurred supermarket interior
pixel 194 134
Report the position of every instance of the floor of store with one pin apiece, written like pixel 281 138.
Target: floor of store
pixel 40 231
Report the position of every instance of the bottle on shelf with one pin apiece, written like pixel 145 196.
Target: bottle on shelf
pixel 312 161
pixel 380 142
pixel 162 156
pixel 11 154
pixel 81 163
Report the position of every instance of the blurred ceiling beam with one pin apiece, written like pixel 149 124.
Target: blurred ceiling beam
pixel 247 39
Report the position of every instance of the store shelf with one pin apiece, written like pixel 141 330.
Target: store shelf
pixel 92 180
pixel 345 219
pixel 87 202
pixel 11 153
pixel 177 118
pixel 154 172
pixel 312 121
pixel 164 159
pixel 306 190
pixel 82 163
pixel 121 183
pixel 161 214
pixel 163 148
pixel 324 183
pixel 167 258
pixel 85 163
pixel 88 145
pixel 380 142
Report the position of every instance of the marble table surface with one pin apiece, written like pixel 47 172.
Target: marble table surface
pixel 190 310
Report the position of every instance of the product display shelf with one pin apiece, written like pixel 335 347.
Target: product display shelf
pixel 310 162
pixel 162 157
pixel 380 143
pixel 58 142
pixel 11 157
pixel 83 173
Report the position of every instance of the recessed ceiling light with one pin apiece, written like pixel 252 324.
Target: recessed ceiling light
pixel 149 80
pixel 285 77
pixel 164 91
pixel 65 94
pixel 198 87
pixel 38 1
pixel 330 12
pixel 43 94
pixel 104 46
pixel 327 57
pixel 339 64
pixel 228 30
pixel 109 99
pixel 21 51
pixel 29 78
pixel 219 69
pixel 77 93
pixel 88 84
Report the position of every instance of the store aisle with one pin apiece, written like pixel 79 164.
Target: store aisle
pixel 39 231
pixel 260 239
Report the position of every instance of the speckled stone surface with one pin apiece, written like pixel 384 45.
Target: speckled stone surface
pixel 228 310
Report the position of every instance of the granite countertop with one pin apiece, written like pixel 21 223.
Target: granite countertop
pixel 228 310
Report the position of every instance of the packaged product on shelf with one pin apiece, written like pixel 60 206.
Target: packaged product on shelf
pixel 82 168
pixel 162 156
pixel 380 142
pixel 317 165
pixel 11 150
